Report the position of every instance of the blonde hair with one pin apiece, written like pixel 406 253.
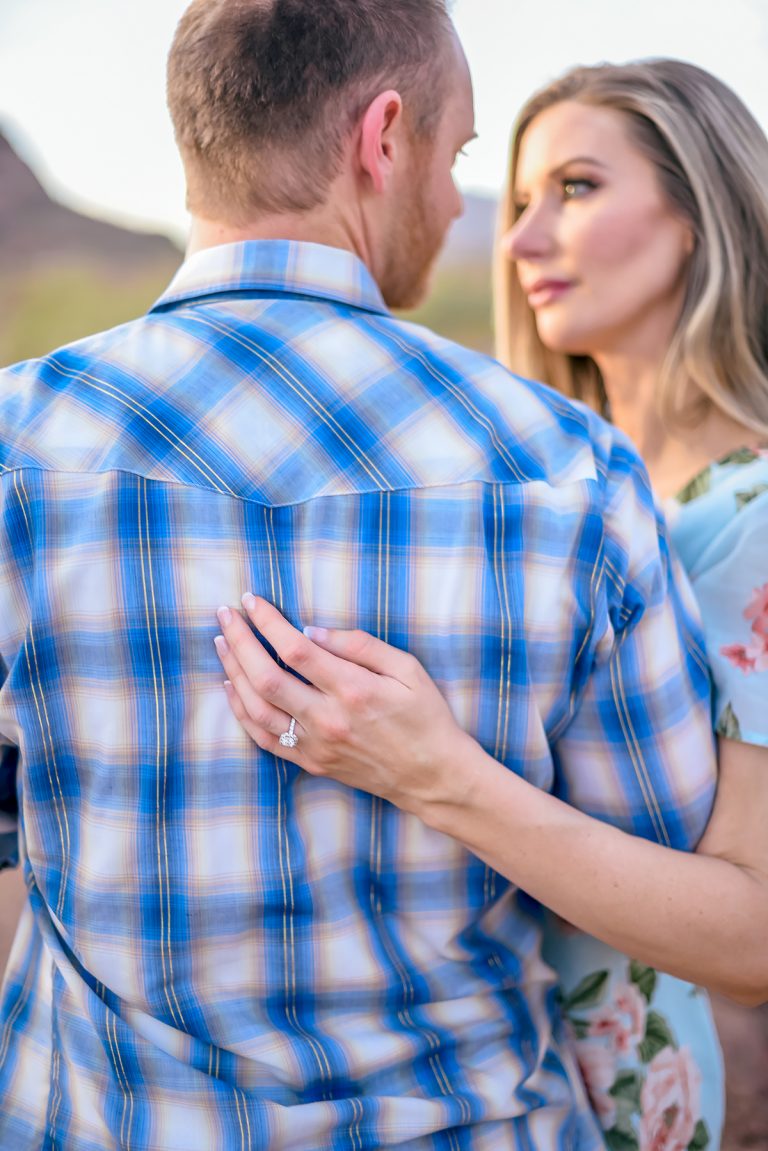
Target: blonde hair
pixel 711 157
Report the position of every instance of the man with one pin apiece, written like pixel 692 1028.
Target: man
pixel 219 951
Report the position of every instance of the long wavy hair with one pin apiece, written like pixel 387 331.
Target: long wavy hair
pixel 711 157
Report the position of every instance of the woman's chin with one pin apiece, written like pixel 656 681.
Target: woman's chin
pixel 564 342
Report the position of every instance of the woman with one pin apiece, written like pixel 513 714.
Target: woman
pixel 632 275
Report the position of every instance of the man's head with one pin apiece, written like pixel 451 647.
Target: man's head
pixel 281 106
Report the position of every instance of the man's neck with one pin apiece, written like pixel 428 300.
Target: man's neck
pixel 314 227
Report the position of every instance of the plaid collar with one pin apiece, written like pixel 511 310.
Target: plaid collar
pixel 270 266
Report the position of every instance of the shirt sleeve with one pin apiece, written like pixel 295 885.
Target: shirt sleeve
pixel 639 751
pixel 732 591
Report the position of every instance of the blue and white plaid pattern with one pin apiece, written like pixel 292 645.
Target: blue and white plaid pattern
pixel 220 952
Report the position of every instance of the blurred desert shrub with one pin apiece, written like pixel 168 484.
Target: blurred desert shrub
pixel 460 306
pixel 56 305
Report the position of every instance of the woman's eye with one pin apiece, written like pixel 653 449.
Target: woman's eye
pixel 574 189
pixel 518 207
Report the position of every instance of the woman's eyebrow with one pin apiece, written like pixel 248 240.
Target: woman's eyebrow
pixel 591 160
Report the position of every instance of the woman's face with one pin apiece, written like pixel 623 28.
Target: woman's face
pixel 599 252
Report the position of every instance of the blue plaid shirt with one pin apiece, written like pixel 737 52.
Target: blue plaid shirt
pixel 222 953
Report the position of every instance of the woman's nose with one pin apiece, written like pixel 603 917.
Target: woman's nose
pixel 530 236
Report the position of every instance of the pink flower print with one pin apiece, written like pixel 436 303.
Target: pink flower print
pixel 753 656
pixel 757 610
pixel 623 1021
pixel 758 651
pixel 598 1068
pixel 631 1004
pixel 758 606
pixel 737 654
pixel 760 627
pixel 670 1102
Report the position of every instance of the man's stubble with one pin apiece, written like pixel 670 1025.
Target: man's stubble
pixel 415 240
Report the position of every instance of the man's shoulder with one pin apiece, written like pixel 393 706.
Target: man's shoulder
pixel 386 402
pixel 30 385
pixel 564 440
pixel 68 409
pixel 91 348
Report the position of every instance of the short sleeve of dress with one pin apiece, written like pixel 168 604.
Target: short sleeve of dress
pixel 719 526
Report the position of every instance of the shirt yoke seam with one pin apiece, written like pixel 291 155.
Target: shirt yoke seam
pixel 174 481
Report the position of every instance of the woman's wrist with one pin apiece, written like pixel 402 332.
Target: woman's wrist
pixel 458 771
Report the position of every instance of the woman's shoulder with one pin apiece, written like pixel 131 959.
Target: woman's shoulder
pixel 742 474
pixel 727 502
pixel 719 525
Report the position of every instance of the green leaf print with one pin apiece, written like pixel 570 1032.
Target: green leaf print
pixel 744 498
pixel 728 724
pixel 580 1027
pixel 657 1037
pixel 628 1087
pixel 700 1137
pixel 618 1140
pixel 740 456
pixel 644 978
pixel 588 993
pixel 699 486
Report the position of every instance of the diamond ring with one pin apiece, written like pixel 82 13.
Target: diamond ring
pixel 289 738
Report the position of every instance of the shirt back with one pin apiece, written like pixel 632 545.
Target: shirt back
pixel 221 951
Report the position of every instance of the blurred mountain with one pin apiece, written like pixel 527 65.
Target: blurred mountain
pixel 64 274
pixel 470 241
pixel 36 229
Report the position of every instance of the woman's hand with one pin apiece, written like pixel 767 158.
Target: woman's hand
pixel 369 715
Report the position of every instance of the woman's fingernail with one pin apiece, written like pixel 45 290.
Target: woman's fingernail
pixel 222 647
pixel 248 601
pixel 224 616
pixel 316 634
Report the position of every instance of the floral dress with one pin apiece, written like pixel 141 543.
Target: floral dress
pixel 646 1042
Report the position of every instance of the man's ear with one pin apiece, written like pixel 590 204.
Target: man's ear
pixel 380 139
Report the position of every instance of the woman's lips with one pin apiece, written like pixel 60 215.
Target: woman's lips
pixel 543 292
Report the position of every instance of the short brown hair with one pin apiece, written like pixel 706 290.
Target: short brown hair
pixel 263 93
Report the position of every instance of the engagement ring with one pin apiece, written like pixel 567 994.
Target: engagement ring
pixel 289 738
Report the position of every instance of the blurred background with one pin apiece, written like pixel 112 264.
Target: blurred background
pixel 87 158
pixel 92 219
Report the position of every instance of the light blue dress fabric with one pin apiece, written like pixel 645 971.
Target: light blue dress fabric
pixel 647 1042
pixel 719 527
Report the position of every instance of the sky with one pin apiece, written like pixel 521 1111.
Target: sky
pixel 82 83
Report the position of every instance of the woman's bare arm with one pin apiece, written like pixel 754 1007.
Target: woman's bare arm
pixel 372 718
pixel 702 917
